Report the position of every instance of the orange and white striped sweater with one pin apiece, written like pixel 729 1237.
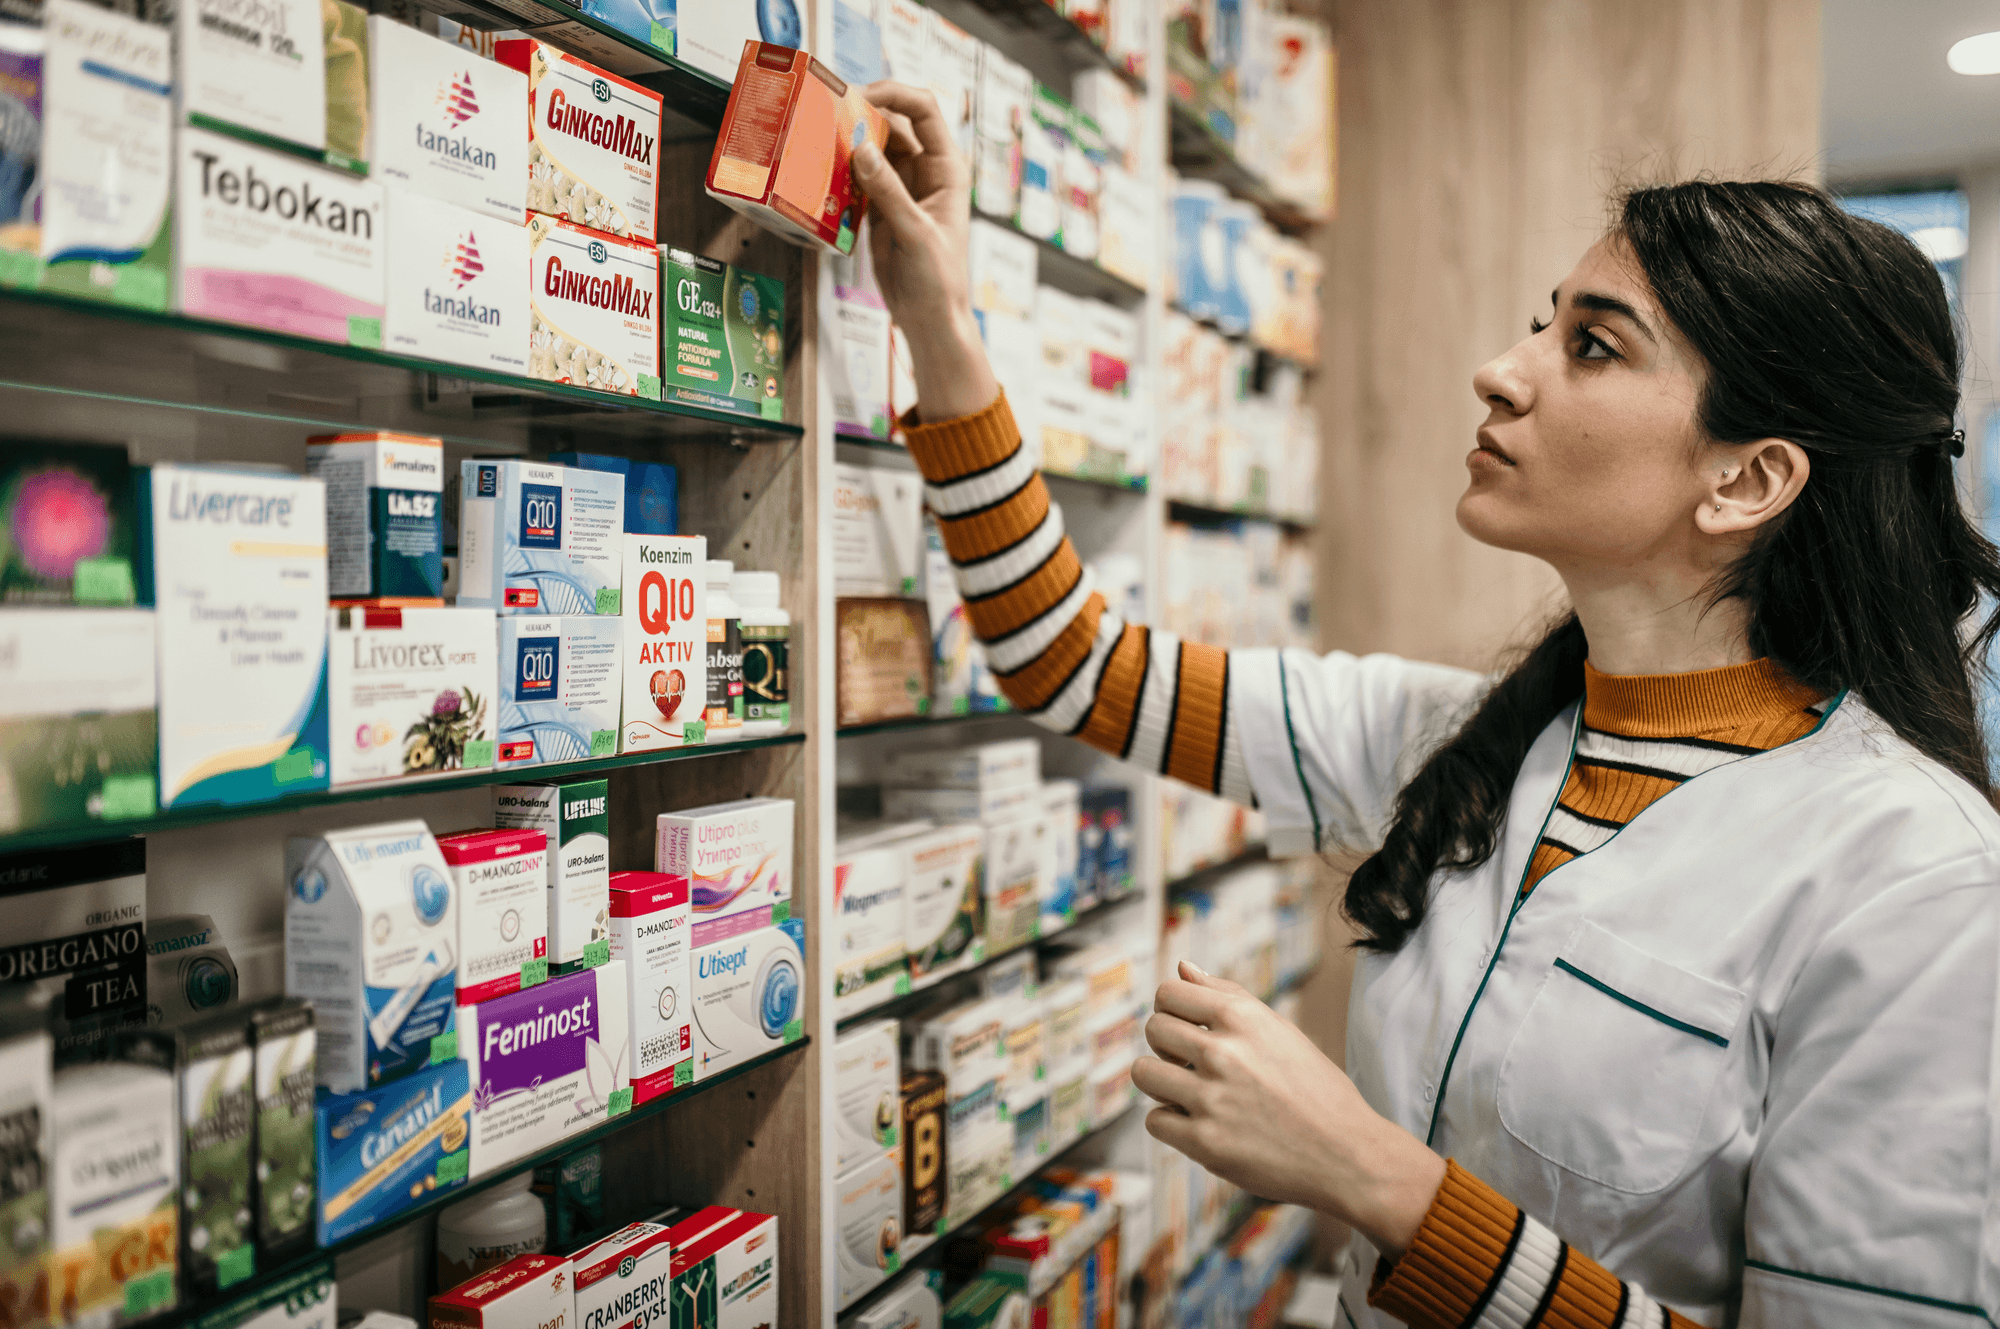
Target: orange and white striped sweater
pixel 1066 659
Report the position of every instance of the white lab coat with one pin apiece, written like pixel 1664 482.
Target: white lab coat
pixel 1743 1054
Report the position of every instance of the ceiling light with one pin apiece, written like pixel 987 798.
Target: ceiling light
pixel 1941 244
pixel 1975 55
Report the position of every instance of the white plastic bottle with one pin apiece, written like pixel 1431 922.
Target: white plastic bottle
pixel 724 709
pixel 490 1229
pixel 767 646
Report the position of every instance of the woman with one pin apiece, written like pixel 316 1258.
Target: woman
pixel 1680 937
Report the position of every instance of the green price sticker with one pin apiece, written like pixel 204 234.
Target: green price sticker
pixel 534 973
pixel 127 796
pixel 604 742
pixel 148 1292
pixel 895 1263
pixel 795 1030
pixel 478 754
pixel 694 731
pixel 903 984
pixel 235 1266
pixel 294 766
pixel 649 387
pixel 684 1072
pixel 364 331
pixel 596 953
pixel 663 37
pixel 444 1047
pixel 103 581
pixel 781 911
pixel 608 599
pixel 621 1102
pixel 453 1167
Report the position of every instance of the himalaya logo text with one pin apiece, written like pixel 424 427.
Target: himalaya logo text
pixel 456 100
pixel 294 204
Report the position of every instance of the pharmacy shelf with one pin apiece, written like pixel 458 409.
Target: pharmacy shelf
pixel 172 819
pixel 1242 339
pixel 192 1309
pixel 1199 151
pixel 1076 46
pixel 1208 872
pixel 1081 276
pixel 922 724
pixel 1130 484
pixel 1197 513
pixel 56 345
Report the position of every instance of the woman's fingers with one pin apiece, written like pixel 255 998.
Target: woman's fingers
pixel 889 195
pixel 1165 1083
pixel 1171 1128
pixel 1174 1038
pixel 1190 1001
pixel 920 108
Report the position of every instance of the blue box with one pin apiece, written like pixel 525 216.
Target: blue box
pixel 652 490
pixel 385 1150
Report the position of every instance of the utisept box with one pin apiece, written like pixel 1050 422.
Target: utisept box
pixel 727 1276
pixel 77 683
pixel 575 816
pixel 723 336
pixel 446 123
pixel 546 1063
pixel 501 880
pixel 457 285
pixel 749 991
pixel 626 1280
pixel 383 524
pixel 260 67
pixel 787 143
pixel 382 1151
pixel 665 647
pixel 371 939
pixel 86 928
pixel 527 1292
pixel 114 1182
pixel 540 539
pixel 651 933
pixel 282 1039
pixel 594 323
pixel 867 1094
pixel 272 241
pixel 868 1218
pixel 239 569
pixel 593 142
pixel 737 857
pixel 559 686
pixel 411 691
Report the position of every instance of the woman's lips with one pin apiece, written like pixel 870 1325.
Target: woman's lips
pixel 1491 449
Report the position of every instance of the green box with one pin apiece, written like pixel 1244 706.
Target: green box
pixel 285 1043
pixel 723 337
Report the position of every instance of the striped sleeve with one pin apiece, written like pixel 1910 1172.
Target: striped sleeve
pixel 1057 650
pixel 1478 1261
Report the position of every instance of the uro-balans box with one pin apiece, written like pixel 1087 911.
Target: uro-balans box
pixel 258 66
pixel 594 320
pixel 384 527
pixel 371 939
pixel 626 1280
pixel 575 816
pixel 651 933
pixel 239 571
pixel 282 1039
pixel 457 285
pixel 501 880
pixel 559 686
pixel 593 141
pixel 113 1193
pixel 665 648
pixel 784 155
pixel 722 340
pixel 385 1150
pixel 540 539
pixel 79 722
pixel 527 1292
pixel 412 691
pixel 736 856
pixel 447 124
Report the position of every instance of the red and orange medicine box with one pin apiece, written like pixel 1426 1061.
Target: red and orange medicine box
pixel 785 153
pixel 527 1292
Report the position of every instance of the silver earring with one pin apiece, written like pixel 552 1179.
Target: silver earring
pixel 1718 507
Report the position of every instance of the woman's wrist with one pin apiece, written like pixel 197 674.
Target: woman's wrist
pixel 1387 1204
pixel 948 361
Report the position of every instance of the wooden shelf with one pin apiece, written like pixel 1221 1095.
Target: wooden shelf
pixel 1199 151
pixel 1199 513
pixel 1077 47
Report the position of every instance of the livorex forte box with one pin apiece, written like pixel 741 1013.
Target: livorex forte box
pixel 575 816
pixel 384 493
pixel 559 688
pixel 238 566
pixel 737 856
pixel 447 124
pixel 457 286
pixel 411 691
pixel 593 141
pixel 665 660
pixel 723 336
pixel 539 539
pixel 259 67
pixel 652 934
pixel 501 880
pixel 594 323
pixel 382 1151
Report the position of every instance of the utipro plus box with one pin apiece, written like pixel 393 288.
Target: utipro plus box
pixel 666 618
pixel 737 857
pixel 626 1280
pixel 651 933
pixel 540 539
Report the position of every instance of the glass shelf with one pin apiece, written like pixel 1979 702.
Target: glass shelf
pixel 1041 18
pixel 1131 484
pixel 1080 276
pixel 1197 150
pixel 919 724
pixel 1187 510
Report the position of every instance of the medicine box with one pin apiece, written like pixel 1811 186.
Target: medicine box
pixel 371 940
pixel 384 526
pixel 391 1148
pixel 925 1149
pixel 540 539
pixel 1065 1007
pixel 546 1063
pixel 27 1105
pixel 784 154
pixel 1006 764
pixel 85 928
pixel 79 724
pixel 593 141
pixel 114 1192
pixel 1005 88
pixel 1023 1035
pixel 1016 878
pixel 1014 976
pixel 982 1169
pixel 989 805
pixel 305 1300
pixel 652 489
pixel 411 691
pixel 575 816
pixel 871 875
pixel 749 991
pixel 877 530
pixel 867 1094
pixel 593 320
pixel 882 659
pixel 283 1041
pixel 447 125
pixel 1062 810
pixel 527 1292
pixel 213 1066
pixel 500 881
pixel 1003 265
pixel 965 1043
pixel 626 1280
pixel 457 287
pixel 271 241
pixel 238 563
pixel 905 26
pixel 912 1304
pixel 947 916
pixel 260 68
pixel 951 72
pixel 854 345
pixel 651 933
pixel 722 336
pixel 666 642
pixel 70 513
pixel 868 1224
pixel 727 1276
pixel 737 857
pixel 559 686
pixel 712 32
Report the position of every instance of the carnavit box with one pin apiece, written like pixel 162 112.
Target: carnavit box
pixel 787 142
pixel 593 141
pixel 592 318
pixel 527 1292
pixel 722 343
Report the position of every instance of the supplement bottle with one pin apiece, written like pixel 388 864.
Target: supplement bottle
pixel 490 1229
pixel 724 711
pixel 767 645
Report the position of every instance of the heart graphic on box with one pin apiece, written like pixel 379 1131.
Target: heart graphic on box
pixel 669 686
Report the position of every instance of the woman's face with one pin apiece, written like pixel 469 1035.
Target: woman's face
pixel 1590 457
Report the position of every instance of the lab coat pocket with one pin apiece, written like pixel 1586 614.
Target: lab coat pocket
pixel 1611 1070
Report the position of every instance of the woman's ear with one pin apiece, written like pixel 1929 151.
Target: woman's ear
pixel 1749 484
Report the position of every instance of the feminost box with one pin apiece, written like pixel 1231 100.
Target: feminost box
pixel 737 856
pixel 385 537
pixel 458 284
pixel 391 1148
pixel 272 241
pixel 501 881
pixel 787 143
pixel 446 123
pixel 593 141
pixel 595 324
pixel 749 990
pixel 546 1063
pixel 411 691
pixel 540 539
pixel 558 689
pixel 651 933
pixel 79 723
pixel 666 640
pixel 723 338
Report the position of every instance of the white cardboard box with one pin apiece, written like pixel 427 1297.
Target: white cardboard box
pixel 446 123
pixel 595 322
pixel 559 686
pixel 593 141
pixel 527 1292
pixel 868 1223
pixel 1004 264
pixel 260 67
pixel 575 817
pixel 965 1043
pixel 749 991
pixel 457 287
pixel 736 856
pixel 1005 764
pixel 666 642
pixel 625 1280
pixel 110 1227
pixel 411 692
pixel 501 880
pixel 878 541
pixel 946 928
pixel 871 876
pixel 540 539
pixel 989 805
pixel 867 1094
pixel 652 934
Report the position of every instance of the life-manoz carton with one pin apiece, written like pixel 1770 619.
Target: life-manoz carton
pixel 540 539
pixel 501 881
pixel 527 1292
pixel 371 939
pixel 239 568
pixel 625 1280
pixel 737 856
pixel 592 142
pixel 458 284
pixel 384 523
pixel 576 819
pixel 114 1193
pixel 258 66
pixel 594 323
pixel 79 727
pixel 274 242
pixel 546 1063
pixel 447 124
pixel 749 994
pixel 559 684
pixel 651 933
pixel 666 666
pixel 412 691
pixel 383 1151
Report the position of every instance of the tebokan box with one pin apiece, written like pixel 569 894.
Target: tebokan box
pixel 727 1277
pixel 626 1280
pixel 527 1292
pixel 593 141
pixel 593 322
pixel 666 639
pixel 722 340
pixel 784 156
pixel 925 1097
pixel 651 933
pixel 501 879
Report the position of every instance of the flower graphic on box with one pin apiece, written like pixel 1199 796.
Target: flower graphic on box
pixel 437 742
pixel 455 95
pixel 603 1075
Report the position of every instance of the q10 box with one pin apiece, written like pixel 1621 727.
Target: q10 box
pixel 724 336
pixel 539 539
pixel 666 642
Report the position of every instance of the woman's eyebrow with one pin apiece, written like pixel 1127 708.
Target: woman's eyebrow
pixel 1605 304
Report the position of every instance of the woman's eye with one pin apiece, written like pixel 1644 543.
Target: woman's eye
pixel 1536 325
pixel 1590 348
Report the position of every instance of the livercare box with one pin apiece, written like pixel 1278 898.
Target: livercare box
pixel 788 137
pixel 749 990
pixel 539 539
pixel 448 125
pixel 385 1150
pixel 575 816
pixel 85 928
pixel 258 67
pixel 114 1193
pixel 239 574
pixel 594 320
pixel 625 1281
pixel 527 1292
pixel 723 338
pixel 546 1063
pixel 271 241
pixel 79 721
pixel 371 940
pixel 650 932
pixel 737 857
pixel 666 642
pixel 458 284
pixel 384 528
pixel 501 881
pixel 593 142
pixel 559 689
pixel 411 691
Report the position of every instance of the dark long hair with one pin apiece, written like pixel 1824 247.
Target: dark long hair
pixel 1835 333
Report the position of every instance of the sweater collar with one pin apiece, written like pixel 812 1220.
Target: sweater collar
pixel 1705 701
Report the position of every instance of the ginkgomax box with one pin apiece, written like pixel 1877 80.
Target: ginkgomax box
pixel 594 318
pixel 593 141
